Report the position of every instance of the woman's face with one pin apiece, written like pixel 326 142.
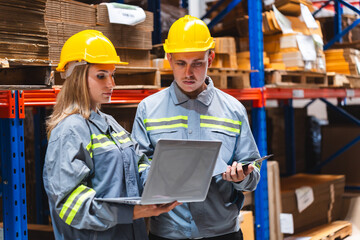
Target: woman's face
pixel 101 83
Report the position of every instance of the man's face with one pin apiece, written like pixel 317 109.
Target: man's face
pixel 190 70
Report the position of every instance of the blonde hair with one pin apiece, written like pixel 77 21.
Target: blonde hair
pixel 74 98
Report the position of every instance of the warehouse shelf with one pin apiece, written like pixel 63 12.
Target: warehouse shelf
pixel 304 93
pixel 47 97
pixel 13 102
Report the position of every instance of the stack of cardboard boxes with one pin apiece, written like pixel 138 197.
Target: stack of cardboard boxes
pixel 344 61
pixel 299 45
pixel 66 17
pixel 23 36
pixel 133 43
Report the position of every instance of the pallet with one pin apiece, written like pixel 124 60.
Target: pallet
pixel 130 78
pixel 343 80
pixel 302 79
pixel 229 78
pixel 223 78
pixel 330 231
pixel 26 77
pixel 137 78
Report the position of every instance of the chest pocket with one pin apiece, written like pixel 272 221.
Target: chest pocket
pixel 171 127
pixel 228 140
pixel 223 129
pixel 177 133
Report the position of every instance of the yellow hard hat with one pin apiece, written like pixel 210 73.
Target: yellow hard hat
pixel 188 34
pixel 90 46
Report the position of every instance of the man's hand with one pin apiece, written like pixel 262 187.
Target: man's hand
pixel 236 172
pixel 141 211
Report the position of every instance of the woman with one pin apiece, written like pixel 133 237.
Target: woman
pixel 90 156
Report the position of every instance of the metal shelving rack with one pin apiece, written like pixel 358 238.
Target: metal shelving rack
pixel 13 186
pixel 12 104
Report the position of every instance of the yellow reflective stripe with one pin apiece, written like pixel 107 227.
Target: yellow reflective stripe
pixel 220 127
pixel 167 126
pixel 166 119
pixel 124 140
pixel 118 134
pixel 70 199
pixel 143 166
pixel 220 119
pixel 258 165
pixel 97 145
pixel 88 147
pixel 77 206
pixel 100 136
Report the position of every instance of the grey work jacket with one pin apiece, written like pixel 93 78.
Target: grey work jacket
pixel 86 161
pixel 213 115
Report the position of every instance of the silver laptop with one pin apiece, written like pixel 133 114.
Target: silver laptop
pixel 181 170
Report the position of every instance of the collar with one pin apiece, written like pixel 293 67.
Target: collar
pixel 205 97
pixel 99 120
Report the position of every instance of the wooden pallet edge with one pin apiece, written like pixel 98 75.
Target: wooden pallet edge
pixel 331 231
pixel 275 77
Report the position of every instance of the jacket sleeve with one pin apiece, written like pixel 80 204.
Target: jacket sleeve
pixel 246 150
pixel 143 145
pixel 68 164
pixel 139 132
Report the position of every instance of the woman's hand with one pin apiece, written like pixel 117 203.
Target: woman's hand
pixel 141 211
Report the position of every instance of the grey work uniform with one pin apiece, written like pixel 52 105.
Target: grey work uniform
pixel 89 159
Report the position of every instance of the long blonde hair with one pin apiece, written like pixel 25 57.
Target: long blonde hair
pixel 74 98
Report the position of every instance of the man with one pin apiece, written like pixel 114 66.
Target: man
pixel 192 108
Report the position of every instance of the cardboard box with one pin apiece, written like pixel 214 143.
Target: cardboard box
pixel 246 221
pixel 326 207
pixel 274 200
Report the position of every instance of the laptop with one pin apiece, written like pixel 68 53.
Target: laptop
pixel 181 170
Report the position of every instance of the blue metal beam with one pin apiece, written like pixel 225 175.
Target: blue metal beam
pixel 341 111
pixel 214 7
pixel 40 142
pixel 340 35
pixel 184 4
pixel 262 228
pixel 259 117
pixel 290 138
pixel 223 13
pixel 154 7
pixel 336 154
pixel 322 6
pixel 357 188
pixel 348 5
pixel 309 103
pixel 13 173
pixel 337 19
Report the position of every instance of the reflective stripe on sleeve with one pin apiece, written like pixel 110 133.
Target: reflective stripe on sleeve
pixel 166 123
pixel 142 167
pixel 73 203
pixel 258 165
pixel 220 123
pixel 89 149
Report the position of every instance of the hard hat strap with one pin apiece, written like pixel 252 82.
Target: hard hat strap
pixel 70 67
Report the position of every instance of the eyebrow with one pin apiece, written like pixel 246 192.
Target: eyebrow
pixel 195 60
pixel 106 71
